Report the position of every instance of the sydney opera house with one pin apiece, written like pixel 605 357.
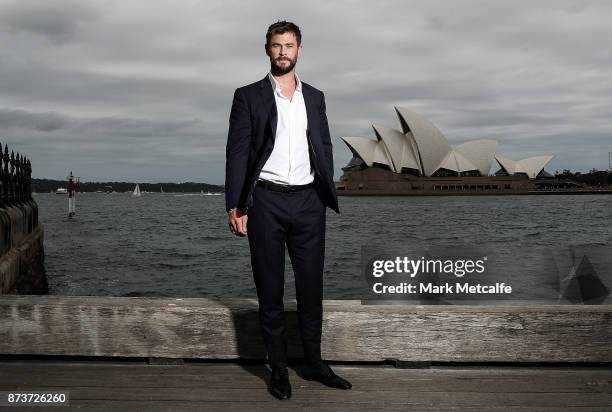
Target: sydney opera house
pixel 419 160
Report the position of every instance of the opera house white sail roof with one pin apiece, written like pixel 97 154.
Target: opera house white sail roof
pixel 531 166
pixel 420 148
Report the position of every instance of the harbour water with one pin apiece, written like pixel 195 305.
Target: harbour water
pixel 179 245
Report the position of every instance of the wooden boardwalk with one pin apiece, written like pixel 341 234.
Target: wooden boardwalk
pixel 109 354
pixel 96 385
pixel 199 328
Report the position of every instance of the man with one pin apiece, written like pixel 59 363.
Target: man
pixel 278 183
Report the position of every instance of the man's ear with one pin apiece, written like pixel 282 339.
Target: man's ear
pixel 300 50
pixel 266 47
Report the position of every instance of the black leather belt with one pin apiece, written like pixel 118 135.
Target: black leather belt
pixel 282 188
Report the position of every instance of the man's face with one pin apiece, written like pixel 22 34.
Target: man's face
pixel 283 51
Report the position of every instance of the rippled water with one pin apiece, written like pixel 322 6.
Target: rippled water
pixel 179 245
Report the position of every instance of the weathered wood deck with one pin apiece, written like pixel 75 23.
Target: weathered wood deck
pixel 545 350
pixel 227 386
pixel 198 328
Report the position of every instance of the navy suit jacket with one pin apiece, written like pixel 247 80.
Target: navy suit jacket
pixel 250 140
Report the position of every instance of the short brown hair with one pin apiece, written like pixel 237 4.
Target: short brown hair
pixel 281 27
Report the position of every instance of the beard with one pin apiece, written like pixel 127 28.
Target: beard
pixel 279 70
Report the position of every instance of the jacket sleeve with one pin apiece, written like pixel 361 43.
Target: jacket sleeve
pixel 237 149
pixel 327 144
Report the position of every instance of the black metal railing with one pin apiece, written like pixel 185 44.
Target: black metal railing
pixel 15 179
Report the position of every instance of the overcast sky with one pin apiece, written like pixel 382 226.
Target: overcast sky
pixel 141 90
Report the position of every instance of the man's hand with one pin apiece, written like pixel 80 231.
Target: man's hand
pixel 238 222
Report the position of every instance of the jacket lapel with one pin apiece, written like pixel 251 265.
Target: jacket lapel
pixel 308 102
pixel 269 104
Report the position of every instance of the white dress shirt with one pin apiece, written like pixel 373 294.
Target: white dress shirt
pixel 289 162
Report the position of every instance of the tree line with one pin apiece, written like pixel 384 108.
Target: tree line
pixel 592 178
pixel 50 185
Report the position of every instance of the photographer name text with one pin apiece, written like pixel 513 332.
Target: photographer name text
pixel 445 289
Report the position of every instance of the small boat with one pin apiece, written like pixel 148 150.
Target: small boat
pixel 61 191
pixel 136 191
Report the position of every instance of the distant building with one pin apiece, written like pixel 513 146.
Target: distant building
pixel 419 160
pixel 422 150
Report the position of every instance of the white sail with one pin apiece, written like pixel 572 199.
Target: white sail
pixel 136 190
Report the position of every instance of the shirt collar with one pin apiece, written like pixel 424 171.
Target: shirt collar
pixel 277 87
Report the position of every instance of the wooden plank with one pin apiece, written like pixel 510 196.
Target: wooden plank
pixel 374 381
pixel 325 395
pixel 320 396
pixel 293 405
pixel 204 328
pixel 468 379
pixel 119 386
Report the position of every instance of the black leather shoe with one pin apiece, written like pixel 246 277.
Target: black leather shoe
pixel 326 376
pixel 280 387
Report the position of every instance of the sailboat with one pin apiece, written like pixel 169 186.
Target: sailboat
pixel 136 191
pixel 161 189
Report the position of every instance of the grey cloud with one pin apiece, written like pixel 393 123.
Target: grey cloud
pixel 55 20
pixel 52 121
pixel 112 147
pixel 20 119
pixel 126 83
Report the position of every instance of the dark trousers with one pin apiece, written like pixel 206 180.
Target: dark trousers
pixel 296 219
